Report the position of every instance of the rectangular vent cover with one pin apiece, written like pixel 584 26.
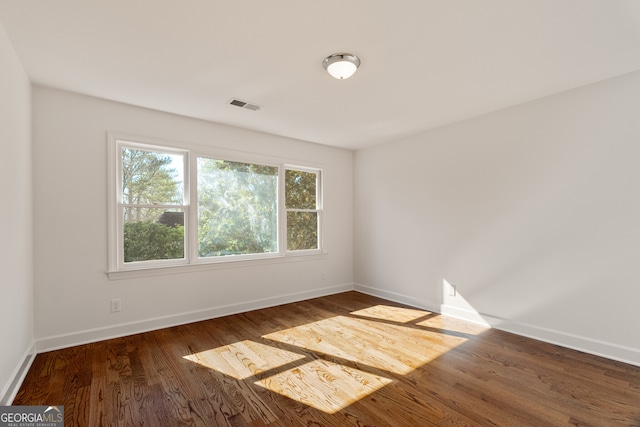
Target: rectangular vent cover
pixel 244 104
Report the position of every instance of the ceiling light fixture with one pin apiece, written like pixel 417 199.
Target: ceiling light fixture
pixel 341 65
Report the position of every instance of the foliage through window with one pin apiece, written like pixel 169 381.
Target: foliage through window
pixel 173 207
pixel 152 190
pixel 237 208
pixel 301 200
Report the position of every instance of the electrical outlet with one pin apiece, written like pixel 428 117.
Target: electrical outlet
pixel 323 275
pixel 116 305
pixel 452 291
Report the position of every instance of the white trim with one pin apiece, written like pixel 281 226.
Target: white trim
pixel 592 346
pixel 98 334
pixel 464 314
pixel 191 224
pixel 112 218
pixel 117 269
pixel 231 261
pixel 208 150
pixel 282 212
pixel 599 348
pixel 116 253
pixel 17 377
pixel 319 209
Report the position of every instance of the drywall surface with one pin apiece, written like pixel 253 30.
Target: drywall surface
pixel 16 217
pixel 532 213
pixel 73 291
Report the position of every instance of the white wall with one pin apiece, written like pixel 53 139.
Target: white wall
pixel 532 212
pixel 70 184
pixel 16 217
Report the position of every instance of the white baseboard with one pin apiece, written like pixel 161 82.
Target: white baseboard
pixel 576 342
pixel 17 377
pixel 587 345
pixel 461 313
pixel 599 348
pixel 116 331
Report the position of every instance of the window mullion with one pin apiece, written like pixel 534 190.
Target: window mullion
pixel 300 216
pixel 158 206
pixel 302 210
pixel 193 212
pixel 282 212
pixel 320 206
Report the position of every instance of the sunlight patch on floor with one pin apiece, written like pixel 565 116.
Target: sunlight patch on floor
pixel 324 385
pixel 394 314
pixel 378 339
pixel 244 359
pixel 451 324
pixel 393 348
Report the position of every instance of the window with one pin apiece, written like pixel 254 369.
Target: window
pixel 174 206
pixel 303 214
pixel 237 208
pixel 152 208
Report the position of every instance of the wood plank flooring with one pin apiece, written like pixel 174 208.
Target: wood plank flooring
pixel 342 360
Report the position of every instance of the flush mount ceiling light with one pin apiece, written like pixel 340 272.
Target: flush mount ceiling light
pixel 341 65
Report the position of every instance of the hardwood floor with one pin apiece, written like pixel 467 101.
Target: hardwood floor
pixel 342 360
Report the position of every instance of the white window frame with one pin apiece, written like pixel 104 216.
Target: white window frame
pixel 318 210
pixel 117 268
pixel 194 196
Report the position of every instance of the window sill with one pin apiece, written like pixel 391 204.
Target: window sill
pixel 192 268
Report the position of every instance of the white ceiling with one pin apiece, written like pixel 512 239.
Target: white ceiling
pixel 425 63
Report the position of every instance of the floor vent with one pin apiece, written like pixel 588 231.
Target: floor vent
pixel 244 104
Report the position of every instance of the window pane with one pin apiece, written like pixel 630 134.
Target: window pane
pixel 302 230
pixel 151 178
pixel 237 208
pixel 300 189
pixel 158 235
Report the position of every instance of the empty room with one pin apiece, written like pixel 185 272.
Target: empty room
pixel 290 213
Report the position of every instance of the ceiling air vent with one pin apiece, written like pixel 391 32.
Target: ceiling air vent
pixel 244 104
